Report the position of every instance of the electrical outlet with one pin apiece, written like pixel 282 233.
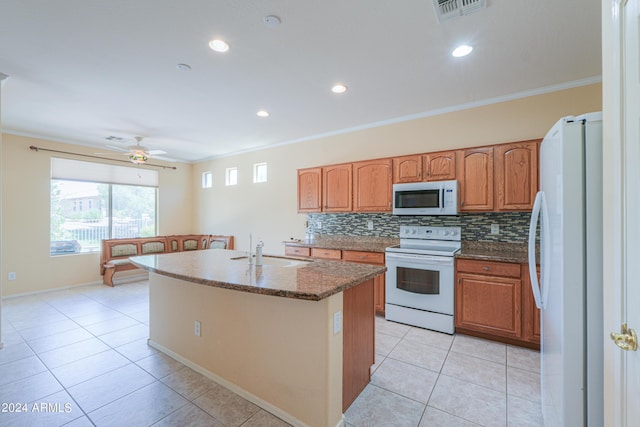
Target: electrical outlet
pixel 12 275
pixel 337 322
pixel 495 229
pixel 319 225
pixel 369 225
pixel 196 328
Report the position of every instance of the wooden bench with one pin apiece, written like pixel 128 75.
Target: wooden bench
pixel 116 252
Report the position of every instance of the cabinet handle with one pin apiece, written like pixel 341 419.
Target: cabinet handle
pixel 485 268
pixel 362 257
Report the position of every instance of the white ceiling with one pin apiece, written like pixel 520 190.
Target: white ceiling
pixel 84 70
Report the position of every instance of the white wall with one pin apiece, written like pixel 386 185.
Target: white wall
pixel 269 210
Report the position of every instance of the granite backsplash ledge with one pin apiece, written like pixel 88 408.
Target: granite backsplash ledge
pixel 514 226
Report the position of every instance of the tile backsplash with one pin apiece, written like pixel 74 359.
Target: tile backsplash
pixel 514 226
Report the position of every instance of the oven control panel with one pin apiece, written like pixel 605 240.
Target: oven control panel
pixel 430 233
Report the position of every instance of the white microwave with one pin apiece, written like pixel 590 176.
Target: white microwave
pixel 426 198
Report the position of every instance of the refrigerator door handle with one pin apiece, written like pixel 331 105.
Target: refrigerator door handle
pixel 533 225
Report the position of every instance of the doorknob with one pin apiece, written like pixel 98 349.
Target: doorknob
pixel 626 339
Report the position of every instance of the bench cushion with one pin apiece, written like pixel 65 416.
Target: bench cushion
pixel 126 249
pixel 218 244
pixel 152 247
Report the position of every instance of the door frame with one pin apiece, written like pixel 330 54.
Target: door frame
pixel 613 209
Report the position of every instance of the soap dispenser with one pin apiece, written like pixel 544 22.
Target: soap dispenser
pixel 259 253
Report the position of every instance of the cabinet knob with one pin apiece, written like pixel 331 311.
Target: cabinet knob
pixel 485 268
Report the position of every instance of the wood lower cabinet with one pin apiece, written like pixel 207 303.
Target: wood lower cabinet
pixel 439 166
pixel 337 188
pixel 372 182
pixel 531 313
pixel 310 190
pixel 358 341
pixel 475 178
pixel 334 254
pixel 516 167
pixel 379 282
pixel 364 257
pixel 492 301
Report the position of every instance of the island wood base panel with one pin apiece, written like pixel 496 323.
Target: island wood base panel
pixel 283 351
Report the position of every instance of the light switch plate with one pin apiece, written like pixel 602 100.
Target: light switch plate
pixel 495 229
pixel 196 328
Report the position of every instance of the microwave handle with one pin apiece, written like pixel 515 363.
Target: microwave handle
pixel 442 191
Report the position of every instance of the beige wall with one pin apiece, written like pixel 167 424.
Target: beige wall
pixel 268 210
pixel 25 219
pixel 245 344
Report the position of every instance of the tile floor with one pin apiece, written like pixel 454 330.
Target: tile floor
pixel 79 357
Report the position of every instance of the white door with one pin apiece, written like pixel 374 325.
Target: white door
pixel 621 72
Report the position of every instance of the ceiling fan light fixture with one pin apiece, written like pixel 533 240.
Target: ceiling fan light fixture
pixel 138 157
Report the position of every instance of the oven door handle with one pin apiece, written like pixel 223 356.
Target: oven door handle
pixel 421 258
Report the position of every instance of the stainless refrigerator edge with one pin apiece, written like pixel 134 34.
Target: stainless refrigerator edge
pixel 568 208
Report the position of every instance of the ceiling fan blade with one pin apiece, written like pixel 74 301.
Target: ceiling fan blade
pixel 166 159
pixel 113 147
pixel 156 152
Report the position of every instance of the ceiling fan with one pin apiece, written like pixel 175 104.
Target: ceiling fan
pixel 140 154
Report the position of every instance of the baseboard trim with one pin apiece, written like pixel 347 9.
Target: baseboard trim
pixel 42 291
pixel 285 416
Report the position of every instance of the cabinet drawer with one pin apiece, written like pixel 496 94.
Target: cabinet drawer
pixel 296 251
pixel 491 268
pixel 364 257
pixel 326 253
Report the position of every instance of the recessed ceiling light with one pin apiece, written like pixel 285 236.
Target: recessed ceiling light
pixel 183 67
pixel 339 88
pixel 219 45
pixel 462 50
pixel 262 113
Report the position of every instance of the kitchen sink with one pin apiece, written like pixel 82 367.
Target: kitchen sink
pixel 277 261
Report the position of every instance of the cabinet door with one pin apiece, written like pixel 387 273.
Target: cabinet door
pixel 407 169
pixel 531 313
pixel 516 175
pixel 475 176
pixel 439 166
pixel 310 190
pixel 372 184
pixel 375 258
pixel 379 294
pixel 336 188
pixel 489 304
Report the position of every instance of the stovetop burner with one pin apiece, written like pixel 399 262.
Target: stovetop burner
pixel 444 241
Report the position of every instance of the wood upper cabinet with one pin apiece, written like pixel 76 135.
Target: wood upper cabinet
pixel 489 302
pixel 407 169
pixel 516 175
pixel 439 166
pixel 310 190
pixel 425 167
pixel 475 179
pixel 372 184
pixel 337 188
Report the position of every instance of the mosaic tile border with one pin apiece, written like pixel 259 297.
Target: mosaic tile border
pixel 514 226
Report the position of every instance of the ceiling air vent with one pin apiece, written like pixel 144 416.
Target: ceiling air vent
pixel 447 9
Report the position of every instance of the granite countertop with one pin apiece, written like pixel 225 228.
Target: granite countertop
pixel 289 277
pixel 347 243
pixel 494 251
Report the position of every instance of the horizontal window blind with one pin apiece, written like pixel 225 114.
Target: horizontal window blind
pixel 77 170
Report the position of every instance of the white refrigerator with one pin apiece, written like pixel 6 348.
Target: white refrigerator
pixel 568 209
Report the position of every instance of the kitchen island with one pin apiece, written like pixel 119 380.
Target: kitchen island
pixel 294 336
